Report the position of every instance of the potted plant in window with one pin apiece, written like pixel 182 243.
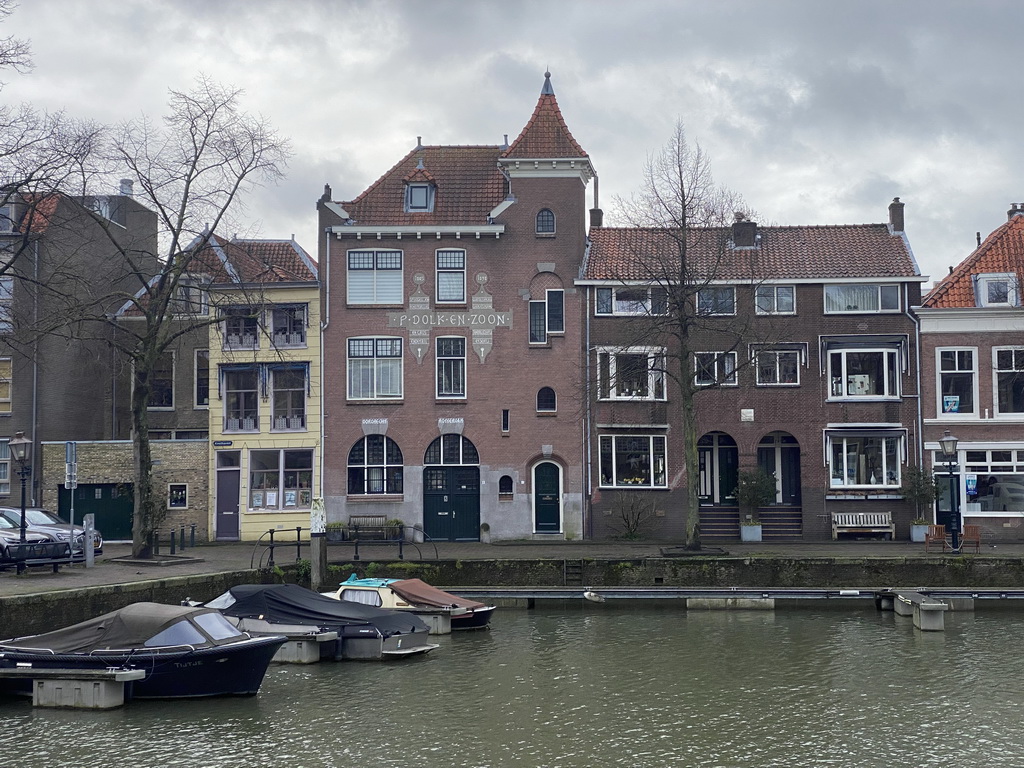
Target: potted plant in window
pixel 754 489
pixel 920 489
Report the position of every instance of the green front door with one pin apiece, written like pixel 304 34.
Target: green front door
pixel 451 503
pixel 110 503
pixel 547 496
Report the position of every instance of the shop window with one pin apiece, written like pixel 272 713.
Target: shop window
pixel 280 479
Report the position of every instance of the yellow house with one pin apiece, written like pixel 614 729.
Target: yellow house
pixel 264 387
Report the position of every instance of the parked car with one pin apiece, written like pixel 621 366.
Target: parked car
pixel 10 534
pixel 47 522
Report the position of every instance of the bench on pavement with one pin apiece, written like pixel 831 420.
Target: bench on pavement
pixel 863 522
pixel 372 528
pixel 20 555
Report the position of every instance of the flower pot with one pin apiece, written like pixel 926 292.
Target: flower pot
pixel 750 532
pixel 917 532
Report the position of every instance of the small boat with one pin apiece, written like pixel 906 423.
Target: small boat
pixel 364 633
pixel 415 595
pixel 185 651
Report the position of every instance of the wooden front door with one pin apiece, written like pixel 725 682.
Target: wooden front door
pixel 451 503
pixel 547 498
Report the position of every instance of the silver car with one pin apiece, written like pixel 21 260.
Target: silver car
pixel 47 522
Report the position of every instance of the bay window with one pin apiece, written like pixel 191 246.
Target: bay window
pixel 863 372
pixel 864 459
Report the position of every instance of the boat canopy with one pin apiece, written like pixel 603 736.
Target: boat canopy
pixel 292 604
pixel 416 592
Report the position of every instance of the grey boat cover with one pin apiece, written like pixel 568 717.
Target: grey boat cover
pixel 129 627
pixel 418 592
pixel 292 604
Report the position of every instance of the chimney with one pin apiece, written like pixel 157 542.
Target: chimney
pixel 596 217
pixel 126 187
pixel 1016 209
pixel 744 232
pixel 896 215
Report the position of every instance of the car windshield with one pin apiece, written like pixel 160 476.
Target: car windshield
pixel 5 523
pixel 42 517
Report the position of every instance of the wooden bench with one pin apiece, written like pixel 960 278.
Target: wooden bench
pixel 863 522
pixel 936 537
pixel 371 527
pixel 971 537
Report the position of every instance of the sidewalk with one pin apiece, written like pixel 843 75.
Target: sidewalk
pixel 220 557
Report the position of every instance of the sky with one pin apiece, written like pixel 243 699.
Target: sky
pixel 815 112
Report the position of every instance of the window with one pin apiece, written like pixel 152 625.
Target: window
pixel 957 381
pixel 6 305
pixel 863 373
pixel 546 399
pixel 161 382
pixel 505 486
pixel 280 479
pixel 7 223
pixel 202 382
pixel 547 316
pixel 288 325
pixel 374 368
pixel 6 379
pixel 632 461
pixel 241 328
pixel 864 460
pixel 545 222
pixel 451 277
pixel 5 468
pixel 505 419
pixel 419 198
pixel 998 479
pixel 633 373
pixel 633 300
pixel 241 407
pixel 289 397
pixel 451 449
pixel 538 323
pixel 451 366
pixel 190 298
pixel 375 466
pixel 556 310
pixel 862 298
pixel 714 368
pixel 177 496
pixel 998 290
pixel 775 299
pixel 716 300
pixel 777 367
pixel 1009 380
pixel 374 277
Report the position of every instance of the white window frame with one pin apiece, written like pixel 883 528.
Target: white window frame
pixel 658 475
pixel 1018 359
pixel 891 363
pixel 195 380
pixel 607 301
pixel 6 304
pixel 766 299
pixel 882 293
pixel 845 475
pixel 451 368
pixel 724 375
pixel 6 383
pixel 284 497
pixel 380 368
pixel 607 366
pixel 386 475
pixel 412 194
pixel 984 283
pixel 5 467
pixel 710 305
pixel 957 370
pixel 452 276
pixel 776 353
pixel 381 281
pixel 291 421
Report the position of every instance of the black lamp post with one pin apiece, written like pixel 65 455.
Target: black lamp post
pixel 19 445
pixel 948 445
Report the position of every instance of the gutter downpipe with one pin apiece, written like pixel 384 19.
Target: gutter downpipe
pixel 324 274
pixel 36 448
pixel 917 363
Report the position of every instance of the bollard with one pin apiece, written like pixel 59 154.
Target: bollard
pixel 172 541
pixel 192 536
pixel 182 539
pixel 155 542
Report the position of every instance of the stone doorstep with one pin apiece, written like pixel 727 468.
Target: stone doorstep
pixel 156 560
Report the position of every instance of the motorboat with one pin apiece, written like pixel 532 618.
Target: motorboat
pixel 185 652
pixel 417 596
pixel 363 632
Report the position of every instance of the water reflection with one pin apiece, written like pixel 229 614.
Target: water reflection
pixel 597 685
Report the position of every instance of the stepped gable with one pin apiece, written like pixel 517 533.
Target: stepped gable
pixel 468 187
pixel 809 252
pixel 546 134
pixel 1001 252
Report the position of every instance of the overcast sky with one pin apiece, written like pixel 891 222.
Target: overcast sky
pixel 816 112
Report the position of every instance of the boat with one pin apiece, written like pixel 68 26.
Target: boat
pixel 364 632
pixel 185 652
pixel 415 595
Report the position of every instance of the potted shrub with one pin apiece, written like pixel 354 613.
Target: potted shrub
pixel 918 529
pixel 393 529
pixel 754 489
pixel 918 487
pixel 337 531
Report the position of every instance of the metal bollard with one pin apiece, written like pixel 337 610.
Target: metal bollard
pixel 192 536
pixel 172 541
pixel 298 542
pixel 155 539
pixel 270 560
pixel 182 539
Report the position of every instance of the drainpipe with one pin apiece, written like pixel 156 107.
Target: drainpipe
pixel 36 448
pixel 588 519
pixel 917 363
pixel 324 273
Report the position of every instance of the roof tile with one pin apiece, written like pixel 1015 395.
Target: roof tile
pixel 1002 252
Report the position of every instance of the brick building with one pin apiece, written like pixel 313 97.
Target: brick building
pixel 452 339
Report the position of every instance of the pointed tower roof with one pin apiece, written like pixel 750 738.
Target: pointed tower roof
pixel 546 134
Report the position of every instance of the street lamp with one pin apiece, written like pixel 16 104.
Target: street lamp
pixel 948 445
pixel 19 445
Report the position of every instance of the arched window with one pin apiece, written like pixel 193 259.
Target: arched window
pixel 374 466
pixel 546 399
pixel 545 222
pixel 505 485
pixel 451 449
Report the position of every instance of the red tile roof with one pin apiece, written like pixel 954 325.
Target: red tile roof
pixel 1002 252
pixel 255 261
pixel 546 134
pixel 802 252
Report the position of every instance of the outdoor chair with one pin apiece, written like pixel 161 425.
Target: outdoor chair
pixel 971 538
pixel 936 536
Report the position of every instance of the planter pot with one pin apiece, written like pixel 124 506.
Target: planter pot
pixel 917 532
pixel 750 533
pixel 337 535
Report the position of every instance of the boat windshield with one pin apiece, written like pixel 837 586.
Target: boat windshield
pixel 364 596
pixel 179 633
pixel 216 626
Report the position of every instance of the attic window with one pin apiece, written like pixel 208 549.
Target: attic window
pixel 6 218
pixel 996 290
pixel 419 198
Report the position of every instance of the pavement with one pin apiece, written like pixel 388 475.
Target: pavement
pixel 115 565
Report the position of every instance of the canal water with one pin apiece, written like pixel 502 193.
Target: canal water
pixel 581 685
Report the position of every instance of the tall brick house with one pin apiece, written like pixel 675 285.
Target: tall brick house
pixel 972 362
pixel 452 338
pixel 805 362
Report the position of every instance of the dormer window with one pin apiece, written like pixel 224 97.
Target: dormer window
pixel 996 290
pixel 419 198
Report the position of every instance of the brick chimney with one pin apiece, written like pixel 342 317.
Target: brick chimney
pixel 896 215
pixel 744 232
pixel 1016 209
pixel 596 217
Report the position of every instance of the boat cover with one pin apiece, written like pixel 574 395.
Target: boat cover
pixel 292 604
pixel 418 592
pixel 129 627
